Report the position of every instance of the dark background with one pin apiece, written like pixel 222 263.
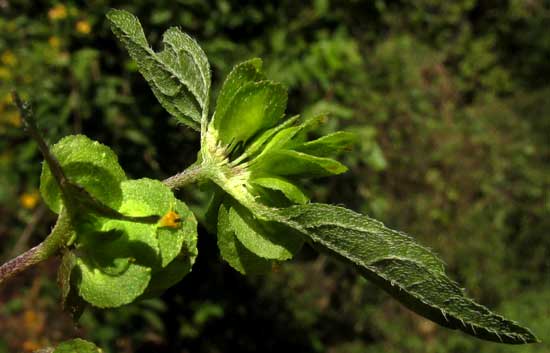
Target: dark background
pixel 451 100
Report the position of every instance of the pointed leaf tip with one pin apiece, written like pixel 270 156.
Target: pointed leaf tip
pixel 409 272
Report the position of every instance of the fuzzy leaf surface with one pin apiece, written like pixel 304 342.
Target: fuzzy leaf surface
pixel 241 74
pixel 328 145
pixel 409 272
pixel 119 256
pixel 293 163
pixel 234 252
pixel 290 190
pixel 87 163
pixel 255 106
pixel 265 239
pixel 179 75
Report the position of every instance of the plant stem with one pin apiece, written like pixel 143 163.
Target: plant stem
pixel 53 242
pixel 190 175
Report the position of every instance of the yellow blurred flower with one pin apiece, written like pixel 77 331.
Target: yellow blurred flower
pixel 83 27
pixel 58 12
pixel 5 74
pixel 54 42
pixel 29 200
pixel 8 99
pixel 13 119
pixel 8 58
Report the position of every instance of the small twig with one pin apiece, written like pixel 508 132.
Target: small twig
pixel 188 176
pixel 31 128
pixel 21 243
pixel 53 242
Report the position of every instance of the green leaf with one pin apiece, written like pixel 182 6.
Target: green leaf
pixel 288 162
pixel 257 143
pixel 243 73
pixel 406 270
pixel 279 141
pixel 87 163
pixel 173 240
pixel 173 273
pixel 234 252
pixel 179 75
pixel 106 291
pixel 119 256
pixel 256 106
pixel 291 191
pixel 77 345
pixel 328 145
pixel 265 239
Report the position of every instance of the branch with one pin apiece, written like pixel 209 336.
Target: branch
pixel 53 242
pixel 188 176
pixel 73 194
pixel 21 243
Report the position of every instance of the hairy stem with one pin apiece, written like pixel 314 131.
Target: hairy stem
pixel 53 242
pixel 188 176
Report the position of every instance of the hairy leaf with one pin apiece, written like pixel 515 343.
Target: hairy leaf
pixel 179 75
pixel 106 291
pixel 291 191
pixel 88 163
pixel 124 254
pixel 328 145
pixel 257 144
pixel 241 74
pixel 234 252
pixel 293 163
pixel 265 239
pixel 255 106
pixel 406 270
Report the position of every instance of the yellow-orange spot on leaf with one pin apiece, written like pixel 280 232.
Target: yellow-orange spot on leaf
pixel 29 199
pixel 170 220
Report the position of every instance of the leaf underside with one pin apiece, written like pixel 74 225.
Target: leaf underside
pixel 409 272
pixel 179 75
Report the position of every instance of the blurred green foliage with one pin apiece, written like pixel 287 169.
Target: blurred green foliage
pixel 450 99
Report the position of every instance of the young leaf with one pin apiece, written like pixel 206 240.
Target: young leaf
pixel 179 76
pixel 291 191
pixel 243 73
pixel 256 146
pixel 406 270
pixel 234 252
pixel 328 145
pixel 87 163
pixel 289 162
pixel 255 106
pixel 265 239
